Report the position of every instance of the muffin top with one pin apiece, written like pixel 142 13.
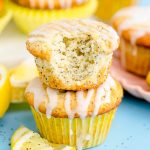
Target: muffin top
pixel 69 104
pixel 52 36
pixel 50 4
pixel 133 24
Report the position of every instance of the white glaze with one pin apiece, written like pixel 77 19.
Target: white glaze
pixel 52 96
pixel 103 95
pixel 88 137
pixel 83 102
pixel 51 3
pixel 38 91
pixel 32 3
pixel 99 32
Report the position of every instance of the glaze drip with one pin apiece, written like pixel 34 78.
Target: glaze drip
pixel 138 19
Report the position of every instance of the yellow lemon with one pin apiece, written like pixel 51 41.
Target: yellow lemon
pixel 19 79
pixel 24 139
pixel 4 90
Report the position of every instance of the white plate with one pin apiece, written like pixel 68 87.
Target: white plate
pixel 135 85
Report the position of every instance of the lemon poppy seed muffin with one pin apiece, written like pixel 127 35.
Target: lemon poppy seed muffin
pixel 50 4
pixel 76 118
pixel 73 54
pixel 133 26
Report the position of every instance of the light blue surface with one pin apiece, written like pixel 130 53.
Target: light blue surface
pixel 130 129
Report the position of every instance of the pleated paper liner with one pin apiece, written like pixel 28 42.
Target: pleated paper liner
pixel 76 132
pixel 28 19
pixel 135 58
pixel 5 17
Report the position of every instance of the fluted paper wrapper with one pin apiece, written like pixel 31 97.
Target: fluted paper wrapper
pixel 89 132
pixel 28 19
pixel 134 58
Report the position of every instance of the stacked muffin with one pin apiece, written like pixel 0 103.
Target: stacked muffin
pixel 38 12
pixel 74 99
pixel 133 26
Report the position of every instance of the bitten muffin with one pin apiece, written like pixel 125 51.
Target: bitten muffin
pixel 73 54
pixel 81 118
pixel 133 26
pixel 39 12
pixel 50 4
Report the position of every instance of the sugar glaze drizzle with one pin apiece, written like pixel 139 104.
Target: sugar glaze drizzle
pixel 138 18
pixel 103 95
pixel 52 3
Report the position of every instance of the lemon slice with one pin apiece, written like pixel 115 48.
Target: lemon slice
pixel 20 77
pixel 4 90
pixel 148 78
pixel 25 139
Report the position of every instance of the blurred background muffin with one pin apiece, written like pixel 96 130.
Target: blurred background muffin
pixel 106 8
pixel 50 4
pixel 28 15
pixel 133 26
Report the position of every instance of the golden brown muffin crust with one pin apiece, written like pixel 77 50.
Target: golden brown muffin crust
pixel 40 41
pixel 130 15
pixel 59 111
pixel 55 4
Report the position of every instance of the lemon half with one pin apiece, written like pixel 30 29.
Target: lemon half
pixel 24 139
pixel 19 79
pixel 4 90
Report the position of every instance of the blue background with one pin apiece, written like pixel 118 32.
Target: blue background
pixel 130 129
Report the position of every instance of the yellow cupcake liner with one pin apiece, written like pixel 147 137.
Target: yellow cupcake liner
pixel 107 8
pixel 28 19
pixel 5 17
pixel 90 131
pixel 17 94
pixel 135 59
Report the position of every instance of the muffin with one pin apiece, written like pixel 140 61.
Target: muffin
pixel 20 78
pixel 73 54
pixel 5 16
pixel 50 4
pixel 75 118
pixel 112 6
pixel 37 12
pixel 133 27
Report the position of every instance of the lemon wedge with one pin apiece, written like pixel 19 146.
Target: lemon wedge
pixel 19 79
pixel 148 78
pixel 4 90
pixel 24 139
